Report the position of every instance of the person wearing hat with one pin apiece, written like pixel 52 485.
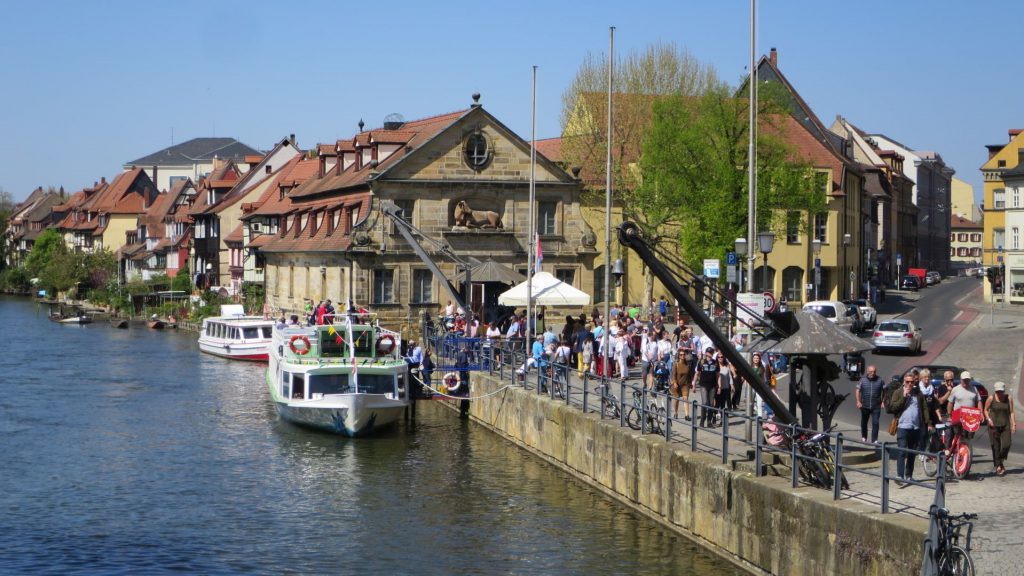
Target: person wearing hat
pixel 1001 424
pixel 964 395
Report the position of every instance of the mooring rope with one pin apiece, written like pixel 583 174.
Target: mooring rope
pixel 439 393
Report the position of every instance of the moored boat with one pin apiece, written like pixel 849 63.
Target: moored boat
pixel 119 322
pixel 235 335
pixel 155 323
pixel 79 319
pixel 345 378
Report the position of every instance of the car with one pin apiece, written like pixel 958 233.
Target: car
pixel 833 310
pixel 899 334
pixel 911 282
pixel 932 278
pixel 866 311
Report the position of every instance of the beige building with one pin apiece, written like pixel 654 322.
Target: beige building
pixel 965 242
pixel 963 201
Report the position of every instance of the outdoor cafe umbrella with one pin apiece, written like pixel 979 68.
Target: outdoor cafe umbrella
pixel 812 334
pixel 547 291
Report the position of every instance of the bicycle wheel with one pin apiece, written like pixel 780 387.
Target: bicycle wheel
pixel 610 408
pixel 930 464
pixel 633 417
pixel 654 415
pixel 832 469
pixel 956 562
pixel 962 458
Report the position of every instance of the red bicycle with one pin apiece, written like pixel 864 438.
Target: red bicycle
pixel 955 448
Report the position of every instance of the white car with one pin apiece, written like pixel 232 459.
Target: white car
pixel 897 334
pixel 833 310
pixel 868 311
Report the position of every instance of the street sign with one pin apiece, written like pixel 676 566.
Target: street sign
pixel 817 262
pixel 768 301
pixel 730 274
pixel 899 259
pixel 999 258
pixel 731 259
pixel 711 267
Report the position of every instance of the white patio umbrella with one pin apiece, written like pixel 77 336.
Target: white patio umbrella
pixel 547 291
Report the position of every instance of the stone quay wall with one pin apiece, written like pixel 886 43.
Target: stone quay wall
pixel 761 524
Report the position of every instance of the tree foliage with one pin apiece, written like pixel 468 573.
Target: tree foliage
pixel 48 245
pixel 696 157
pixel 182 280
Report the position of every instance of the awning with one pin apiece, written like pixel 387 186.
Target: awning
pixel 812 334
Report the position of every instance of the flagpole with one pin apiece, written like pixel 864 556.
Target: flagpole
pixel 530 315
pixel 608 213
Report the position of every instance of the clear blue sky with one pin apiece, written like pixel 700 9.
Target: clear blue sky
pixel 88 86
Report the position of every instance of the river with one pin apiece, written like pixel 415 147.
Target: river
pixel 128 451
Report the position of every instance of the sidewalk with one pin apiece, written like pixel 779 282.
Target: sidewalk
pixel 989 347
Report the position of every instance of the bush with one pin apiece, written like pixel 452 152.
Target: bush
pixel 15 280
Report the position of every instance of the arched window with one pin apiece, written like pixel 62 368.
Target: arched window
pixel 792 280
pixel 759 285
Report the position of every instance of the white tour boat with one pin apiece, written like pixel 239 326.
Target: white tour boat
pixel 346 377
pixel 235 335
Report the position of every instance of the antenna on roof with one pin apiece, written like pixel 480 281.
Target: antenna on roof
pixel 172 135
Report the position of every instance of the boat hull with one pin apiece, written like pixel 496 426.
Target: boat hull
pixel 155 324
pixel 351 415
pixel 254 352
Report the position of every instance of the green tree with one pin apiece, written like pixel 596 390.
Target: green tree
pixel 6 209
pixel 64 271
pixel 182 280
pixel 696 157
pixel 641 78
pixel 48 246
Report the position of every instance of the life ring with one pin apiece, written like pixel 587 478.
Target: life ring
pixel 305 345
pixel 385 344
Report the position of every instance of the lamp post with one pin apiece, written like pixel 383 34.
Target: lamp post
pixel 740 247
pixel 816 247
pixel 847 240
pixel 765 242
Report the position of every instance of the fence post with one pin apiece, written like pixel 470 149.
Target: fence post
pixel 885 477
pixel 643 409
pixel 837 473
pixel 693 427
pixel 622 400
pixel 794 458
pixel 725 437
pixel 758 443
pixel 668 418
pixel 586 394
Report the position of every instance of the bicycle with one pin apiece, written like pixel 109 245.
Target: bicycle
pixel 609 403
pixel 952 558
pixel 956 448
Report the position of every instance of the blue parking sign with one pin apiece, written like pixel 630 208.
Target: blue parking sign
pixel 730 259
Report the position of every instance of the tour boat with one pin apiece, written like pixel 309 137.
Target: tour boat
pixel 235 335
pixel 346 377
pixel 79 319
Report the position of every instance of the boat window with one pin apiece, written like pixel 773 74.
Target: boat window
pixel 286 384
pixel 252 332
pixel 298 386
pixel 267 330
pixel 329 345
pixel 328 384
pixel 376 383
pixel 220 331
pixel 364 343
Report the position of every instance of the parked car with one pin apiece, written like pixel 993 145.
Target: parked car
pixel 833 310
pixel 868 312
pixel 899 334
pixel 912 283
pixel 932 277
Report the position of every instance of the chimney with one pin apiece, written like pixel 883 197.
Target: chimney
pixel 773 57
pixel 268 169
pixel 291 139
pixel 103 179
pixel 155 172
pixel 1014 132
pixel 323 165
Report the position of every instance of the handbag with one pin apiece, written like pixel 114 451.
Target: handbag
pixel 771 381
pixel 892 426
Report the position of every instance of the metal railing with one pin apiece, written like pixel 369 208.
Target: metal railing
pixel 654 413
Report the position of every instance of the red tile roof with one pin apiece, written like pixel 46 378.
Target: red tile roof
pixel 960 222
pixel 551 148
pixel 305 239
pixel 235 236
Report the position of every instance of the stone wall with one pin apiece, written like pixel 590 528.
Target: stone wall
pixel 761 524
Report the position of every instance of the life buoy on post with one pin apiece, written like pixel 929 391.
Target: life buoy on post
pixel 385 344
pixel 305 345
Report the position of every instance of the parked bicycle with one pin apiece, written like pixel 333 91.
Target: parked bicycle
pixel 609 403
pixel 817 466
pixel 654 412
pixel 955 448
pixel 952 550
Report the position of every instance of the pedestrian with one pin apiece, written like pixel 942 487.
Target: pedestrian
pixel 648 356
pixel 622 355
pixel 1001 425
pixel 662 306
pixel 913 420
pixel 681 381
pixel 587 355
pixel 869 401
pixel 707 379
pixel 426 367
pixel 724 389
pixel 963 396
pixel 763 372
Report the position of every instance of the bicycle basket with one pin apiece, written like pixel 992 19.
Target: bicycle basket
pixel 970 418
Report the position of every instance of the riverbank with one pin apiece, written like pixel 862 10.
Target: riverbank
pixel 760 524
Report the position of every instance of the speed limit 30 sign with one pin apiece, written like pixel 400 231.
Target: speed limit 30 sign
pixel 769 302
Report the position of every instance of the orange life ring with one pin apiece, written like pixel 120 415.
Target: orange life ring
pixel 385 344
pixel 300 351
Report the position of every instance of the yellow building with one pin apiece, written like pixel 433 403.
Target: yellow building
pixel 1001 158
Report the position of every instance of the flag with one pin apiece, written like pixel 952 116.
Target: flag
pixel 540 256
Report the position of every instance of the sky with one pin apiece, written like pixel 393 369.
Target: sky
pixel 90 86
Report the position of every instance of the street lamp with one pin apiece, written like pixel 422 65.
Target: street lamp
pixel 765 242
pixel 618 271
pixel 740 246
pixel 816 247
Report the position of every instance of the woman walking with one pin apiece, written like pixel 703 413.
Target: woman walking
pixel 1001 424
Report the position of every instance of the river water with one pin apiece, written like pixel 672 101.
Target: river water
pixel 128 451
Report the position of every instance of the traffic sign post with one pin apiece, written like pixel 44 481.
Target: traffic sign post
pixel 712 267
pixel 769 302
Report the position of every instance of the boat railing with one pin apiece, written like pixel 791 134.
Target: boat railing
pixel 282 339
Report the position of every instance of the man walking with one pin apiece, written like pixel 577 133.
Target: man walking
pixel 869 400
